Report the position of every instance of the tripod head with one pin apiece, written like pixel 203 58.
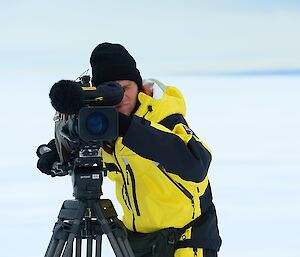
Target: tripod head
pixel 87 173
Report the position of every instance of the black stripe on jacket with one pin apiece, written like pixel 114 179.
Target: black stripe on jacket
pixel 189 161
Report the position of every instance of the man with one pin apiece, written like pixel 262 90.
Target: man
pixel 158 163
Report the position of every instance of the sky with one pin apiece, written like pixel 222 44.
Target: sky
pixel 236 62
pixel 165 37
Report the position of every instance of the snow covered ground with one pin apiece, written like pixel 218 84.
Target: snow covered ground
pixel 251 124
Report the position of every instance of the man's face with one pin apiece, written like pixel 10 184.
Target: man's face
pixel 129 100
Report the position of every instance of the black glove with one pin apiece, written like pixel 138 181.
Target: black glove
pixel 47 156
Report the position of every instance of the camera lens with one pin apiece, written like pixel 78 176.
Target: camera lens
pixel 96 123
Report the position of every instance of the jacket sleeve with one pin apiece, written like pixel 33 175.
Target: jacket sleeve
pixel 170 143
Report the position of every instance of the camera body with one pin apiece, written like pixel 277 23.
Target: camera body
pixel 92 121
pixel 80 134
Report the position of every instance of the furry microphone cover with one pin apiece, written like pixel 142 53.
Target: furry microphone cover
pixel 67 96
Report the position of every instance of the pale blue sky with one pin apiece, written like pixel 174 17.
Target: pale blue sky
pixel 166 37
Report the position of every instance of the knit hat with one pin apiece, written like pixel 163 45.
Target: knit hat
pixel 111 62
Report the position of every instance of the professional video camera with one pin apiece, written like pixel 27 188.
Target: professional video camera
pixel 85 120
pixel 85 116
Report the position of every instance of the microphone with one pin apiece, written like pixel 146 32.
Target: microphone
pixel 68 96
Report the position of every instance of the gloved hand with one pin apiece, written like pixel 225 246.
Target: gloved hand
pixel 47 156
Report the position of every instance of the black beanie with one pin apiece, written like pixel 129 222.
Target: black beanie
pixel 111 62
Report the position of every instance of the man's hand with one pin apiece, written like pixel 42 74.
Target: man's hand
pixel 47 157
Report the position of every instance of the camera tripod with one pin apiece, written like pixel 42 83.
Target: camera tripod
pixel 87 217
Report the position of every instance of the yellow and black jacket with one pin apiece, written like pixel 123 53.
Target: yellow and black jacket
pixel 160 170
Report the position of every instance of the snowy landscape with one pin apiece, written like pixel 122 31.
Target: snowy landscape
pixel 251 125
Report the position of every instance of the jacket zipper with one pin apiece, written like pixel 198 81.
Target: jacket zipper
pixel 124 181
pixel 149 109
pixel 116 169
pixel 180 187
pixel 129 170
pixel 195 252
pixel 127 180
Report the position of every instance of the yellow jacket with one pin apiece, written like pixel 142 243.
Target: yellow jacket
pixel 149 165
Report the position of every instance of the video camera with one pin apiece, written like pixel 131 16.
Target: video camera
pixel 85 120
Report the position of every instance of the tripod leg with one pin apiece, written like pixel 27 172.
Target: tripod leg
pixel 59 248
pixel 120 249
pixel 106 229
pixel 98 246
pixel 78 247
pixel 125 247
pixel 58 240
pixel 68 252
pixel 51 247
pixel 89 247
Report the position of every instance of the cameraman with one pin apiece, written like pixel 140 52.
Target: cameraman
pixel 158 163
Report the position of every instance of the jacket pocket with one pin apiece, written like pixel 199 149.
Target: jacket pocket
pixel 180 187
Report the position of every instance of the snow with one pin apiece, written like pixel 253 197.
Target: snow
pixel 250 123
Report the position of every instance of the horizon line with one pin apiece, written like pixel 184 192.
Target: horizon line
pixel 253 72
